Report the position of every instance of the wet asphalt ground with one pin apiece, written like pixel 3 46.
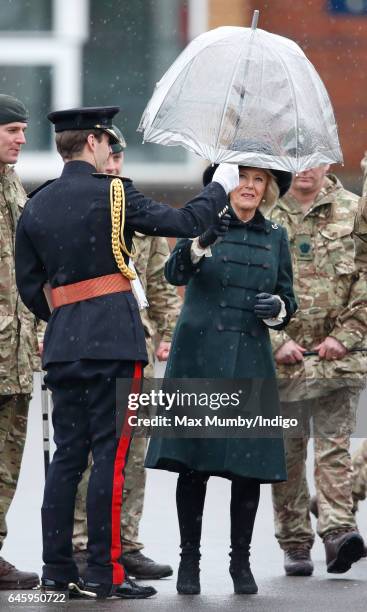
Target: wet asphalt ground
pixel 159 531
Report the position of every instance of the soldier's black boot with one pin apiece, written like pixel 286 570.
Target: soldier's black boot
pixel 11 578
pixel 243 580
pixel 141 567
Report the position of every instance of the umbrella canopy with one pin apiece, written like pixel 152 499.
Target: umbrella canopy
pixel 246 96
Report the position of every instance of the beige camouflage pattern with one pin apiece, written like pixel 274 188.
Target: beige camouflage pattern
pixel 159 318
pixel 18 348
pixel 164 303
pixel 18 340
pixel 330 288
pixel 360 228
pixel 13 428
pixel 333 478
pixel 359 478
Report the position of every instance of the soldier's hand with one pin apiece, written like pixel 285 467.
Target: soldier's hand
pixel 163 350
pixel 331 349
pixel 289 353
pixel 215 231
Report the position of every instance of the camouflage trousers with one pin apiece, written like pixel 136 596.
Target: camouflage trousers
pixel 133 493
pixel 333 420
pixel 13 429
pixel 359 482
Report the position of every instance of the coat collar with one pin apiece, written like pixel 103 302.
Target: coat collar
pixel 77 167
pixel 257 223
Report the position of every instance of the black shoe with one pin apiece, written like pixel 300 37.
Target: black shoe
pixel 188 577
pixel 141 567
pixel 297 562
pixel 243 580
pixel 342 550
pixel 75 590
pixel 127 590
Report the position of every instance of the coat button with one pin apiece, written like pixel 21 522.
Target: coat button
pixel 220 327
pixel 224 282
pixel 225 259
pixel 223 304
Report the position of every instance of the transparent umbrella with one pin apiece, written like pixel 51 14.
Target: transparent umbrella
pixel 246 96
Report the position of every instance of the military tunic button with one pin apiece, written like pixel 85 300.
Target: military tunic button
pixel 225 258
pixel 224 283
pixel 223 304
pixel 220 327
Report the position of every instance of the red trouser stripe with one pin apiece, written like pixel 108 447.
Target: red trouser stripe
pixel 118 485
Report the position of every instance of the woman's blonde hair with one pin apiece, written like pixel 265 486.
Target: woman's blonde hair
pixel 271 194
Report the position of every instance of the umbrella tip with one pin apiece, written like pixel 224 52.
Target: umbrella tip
pixel 255 19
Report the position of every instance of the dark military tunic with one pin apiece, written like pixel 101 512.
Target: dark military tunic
pixel 219 336
pixel 63 237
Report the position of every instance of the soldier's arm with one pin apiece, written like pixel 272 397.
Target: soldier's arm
pixel 30 273
pixel 156 219
pixel 351 325
pixel 164 302
pixel 360 232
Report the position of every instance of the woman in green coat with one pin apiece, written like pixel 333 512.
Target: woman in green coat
pixel 237 287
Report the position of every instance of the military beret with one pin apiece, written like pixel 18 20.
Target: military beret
pixel 118 147
pixel 87 118
pixel 12 110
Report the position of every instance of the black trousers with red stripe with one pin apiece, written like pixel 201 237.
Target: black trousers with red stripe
pixel 84 419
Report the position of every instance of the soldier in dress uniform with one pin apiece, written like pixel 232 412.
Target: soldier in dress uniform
pixel 158 318
pixel 94 334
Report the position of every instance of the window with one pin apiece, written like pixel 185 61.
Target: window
pixel 57 54
pixel 25 15
pixel 32 85
pixel 131 45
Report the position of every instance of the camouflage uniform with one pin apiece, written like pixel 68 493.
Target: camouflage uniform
pixel 159 318
pixel 18 349
pixel 360 227
pixel 331 295
pixel 359 459
pixel 359 477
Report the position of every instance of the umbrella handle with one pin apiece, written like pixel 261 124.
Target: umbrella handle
pixel 255 19
pixel 355 350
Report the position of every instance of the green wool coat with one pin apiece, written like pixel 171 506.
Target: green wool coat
pixel 218 336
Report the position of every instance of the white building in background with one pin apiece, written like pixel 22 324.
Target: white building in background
pixel 58 54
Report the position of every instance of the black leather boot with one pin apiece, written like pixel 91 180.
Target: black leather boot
pixel 243 580
pixel 188 577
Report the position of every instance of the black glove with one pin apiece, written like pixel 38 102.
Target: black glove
pixel 267 306
pixel 215 231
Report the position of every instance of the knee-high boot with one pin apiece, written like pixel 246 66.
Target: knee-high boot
pixel 190 498
pixel 244 504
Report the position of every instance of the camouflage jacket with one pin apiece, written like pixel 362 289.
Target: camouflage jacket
pixel 329 284
pixel 360 227
pixel 18 339
pixel 164 302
